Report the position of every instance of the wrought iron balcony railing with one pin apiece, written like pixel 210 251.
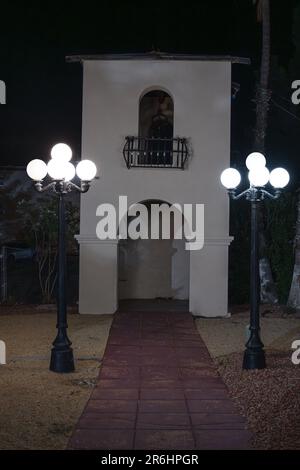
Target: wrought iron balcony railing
pixel 155 153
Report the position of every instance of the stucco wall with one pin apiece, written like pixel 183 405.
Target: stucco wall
pixel 202 94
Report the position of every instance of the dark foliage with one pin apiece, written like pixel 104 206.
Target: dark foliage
pixel 280 218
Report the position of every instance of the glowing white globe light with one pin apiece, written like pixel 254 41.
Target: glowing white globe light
pixel 230 178
pixel 279 178
pixel 259 177
pixel 61 152
pixel 57 169
pixel 36 169
pixel 86 170
pixel 255 160
pixel 69 171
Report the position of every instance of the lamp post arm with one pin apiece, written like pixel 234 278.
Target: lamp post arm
pixel 83 188
pixel 41 189
pixel 274 196
pixel 254 194
pixel 61 186
pixel 234 196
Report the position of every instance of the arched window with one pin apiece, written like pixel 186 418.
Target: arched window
pixel 156 117
pixel 155 145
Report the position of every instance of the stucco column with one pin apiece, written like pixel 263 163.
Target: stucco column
pixel 98 279
pixel 209 278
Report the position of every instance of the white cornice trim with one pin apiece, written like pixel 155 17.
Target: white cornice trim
pixel 225 241
pixel 92 239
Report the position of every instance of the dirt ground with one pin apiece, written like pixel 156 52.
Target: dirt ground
pixel 269 398
pixel 39 408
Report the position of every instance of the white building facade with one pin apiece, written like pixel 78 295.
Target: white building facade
pixel 190 101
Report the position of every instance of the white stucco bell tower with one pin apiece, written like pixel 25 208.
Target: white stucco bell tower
pixel 158 129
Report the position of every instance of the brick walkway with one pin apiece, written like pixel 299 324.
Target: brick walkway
pixel 158 389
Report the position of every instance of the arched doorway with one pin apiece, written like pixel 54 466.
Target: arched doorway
pixel 153 269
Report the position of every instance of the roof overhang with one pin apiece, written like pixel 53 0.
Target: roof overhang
pixel 158 56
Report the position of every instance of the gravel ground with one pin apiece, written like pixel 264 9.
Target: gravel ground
pixel 270 398
pixel 39 408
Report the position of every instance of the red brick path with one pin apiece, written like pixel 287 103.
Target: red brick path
pixel 158 389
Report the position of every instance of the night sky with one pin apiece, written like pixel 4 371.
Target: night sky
pixel 44 92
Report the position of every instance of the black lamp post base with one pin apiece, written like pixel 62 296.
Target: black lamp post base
pixel 254 359
pixel 62 360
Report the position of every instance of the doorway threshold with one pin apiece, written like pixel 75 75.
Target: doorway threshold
pixel 153 305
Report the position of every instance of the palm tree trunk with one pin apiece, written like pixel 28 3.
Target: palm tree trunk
pixel 268 291
pixel 294 295
pixel 263 93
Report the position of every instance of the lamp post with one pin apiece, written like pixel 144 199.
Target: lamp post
pixel 259 176
pixel 61 172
